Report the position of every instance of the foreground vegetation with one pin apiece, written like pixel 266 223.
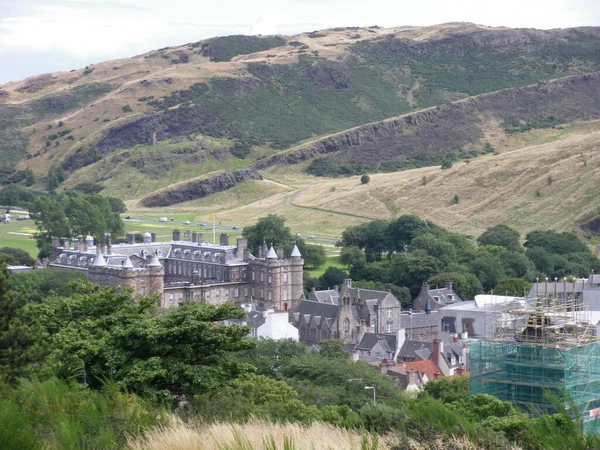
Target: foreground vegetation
pixel 98 369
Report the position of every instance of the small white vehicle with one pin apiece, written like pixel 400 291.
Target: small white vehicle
pixel 163 219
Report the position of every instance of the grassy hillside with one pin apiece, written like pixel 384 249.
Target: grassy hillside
pixel 251 97
pixel 541 179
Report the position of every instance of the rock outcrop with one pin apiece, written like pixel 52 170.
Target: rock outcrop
pixel 445 128
pixel 194 189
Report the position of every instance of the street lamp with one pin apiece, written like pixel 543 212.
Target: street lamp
pixel 374 394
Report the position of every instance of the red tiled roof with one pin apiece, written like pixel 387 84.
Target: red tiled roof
pixel 427 367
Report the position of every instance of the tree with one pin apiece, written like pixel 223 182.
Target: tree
pixel 489 269
pixel 29 177
pixel 101 333
pixel 270 229
pixel 557 243
pixel 449 390
pixel 22 343
pixel 405 228
pixel 332 277
pixel 516 287
pixel 503 236
pixel 411 271
pixel 365 179
pixel 352 256
pixel 314 255
pixel 16 256
pixel 332 349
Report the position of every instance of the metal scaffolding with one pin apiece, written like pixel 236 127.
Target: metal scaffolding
pixel 536 347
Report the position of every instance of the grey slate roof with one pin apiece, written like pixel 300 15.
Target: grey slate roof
pixel 369 340
pixel 410 348
pixel 311 307
pixel 330 296
pixel 419 319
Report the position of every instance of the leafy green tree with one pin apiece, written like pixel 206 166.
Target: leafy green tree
pixel 116 205
pixel 332 277
pixel 332 349
pixel 29 177
pixel 50 220
pixel 411 271
pixel 270 229
pixel 489 269
pixel 448 390
pixel 22 346
pixel 503 236
pixel 434 246
pixel 405 228
pixel 516 287
pixel 16 256
pixel 103 332
pixel 38 285
pixel 556 243
pixel 352 256
pixel 313 255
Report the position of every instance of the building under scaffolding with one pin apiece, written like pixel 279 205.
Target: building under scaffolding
pixel 537 349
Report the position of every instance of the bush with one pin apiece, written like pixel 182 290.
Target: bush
pixel 365 179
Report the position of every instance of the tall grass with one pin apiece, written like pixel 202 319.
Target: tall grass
pixel 258 435
pixel 62 415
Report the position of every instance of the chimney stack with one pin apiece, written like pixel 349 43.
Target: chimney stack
pixel 176 235
pixel 200 238
pixel 108 242
pixel 279 252
pixel 194 237
pixel 153 237
pixel 242 246
pixel 455 338
pixel 436 353
pixel 187 236
pixel 448 284
pixel 129 238
pixel 224 239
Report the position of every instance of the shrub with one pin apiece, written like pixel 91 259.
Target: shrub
pixel 365 179
pixel 127 108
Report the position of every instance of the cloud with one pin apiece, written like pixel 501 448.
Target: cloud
pixel 107 29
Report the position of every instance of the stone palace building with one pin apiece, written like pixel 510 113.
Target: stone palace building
pixel 189 268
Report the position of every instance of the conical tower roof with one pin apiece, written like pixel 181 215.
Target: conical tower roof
pixel 154 262
pixel 127 263
pixel 296 252
pixel 272 254
pixel 99 260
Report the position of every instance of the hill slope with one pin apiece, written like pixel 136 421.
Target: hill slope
pixel 551 182
pixel 227 102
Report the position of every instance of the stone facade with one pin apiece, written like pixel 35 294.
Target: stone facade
pixel 346 316
pixel 190 269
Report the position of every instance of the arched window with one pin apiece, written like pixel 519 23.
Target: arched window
pixel 346 325
pixel 285 306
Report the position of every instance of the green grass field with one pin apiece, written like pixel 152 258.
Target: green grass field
pixel 17 234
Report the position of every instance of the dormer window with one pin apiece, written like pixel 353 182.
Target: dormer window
pixel 176 252
pixel 186 253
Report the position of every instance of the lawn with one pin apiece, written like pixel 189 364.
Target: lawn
pixel 17 234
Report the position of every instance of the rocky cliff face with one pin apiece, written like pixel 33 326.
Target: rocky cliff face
pixel 445 128
pixel 200 188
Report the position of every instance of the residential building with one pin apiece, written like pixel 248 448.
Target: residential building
pixel 430 299
pixel 346 314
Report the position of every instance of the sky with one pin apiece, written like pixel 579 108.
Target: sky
pixel 39 36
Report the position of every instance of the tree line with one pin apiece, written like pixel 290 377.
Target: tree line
pixel 407 251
